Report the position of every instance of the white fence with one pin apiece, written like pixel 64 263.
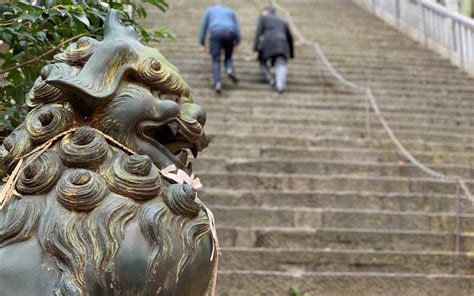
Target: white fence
pixel 449 33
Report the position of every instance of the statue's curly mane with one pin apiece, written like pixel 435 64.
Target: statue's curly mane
pixel 76 197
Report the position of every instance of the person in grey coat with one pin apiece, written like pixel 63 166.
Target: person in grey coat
pixel 274 43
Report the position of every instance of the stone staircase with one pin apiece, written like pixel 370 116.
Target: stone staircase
pixel 301 196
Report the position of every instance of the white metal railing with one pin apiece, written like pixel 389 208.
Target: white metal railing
pixel 448 32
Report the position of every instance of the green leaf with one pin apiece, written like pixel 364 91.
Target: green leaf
pixel 160 4
pixel 27 6
pixel 163 33
pixel 7 37
pixel 15 77
pixel 8 15
pixel 82 18
pixel 41 36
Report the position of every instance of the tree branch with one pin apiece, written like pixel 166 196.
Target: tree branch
pixel 41 55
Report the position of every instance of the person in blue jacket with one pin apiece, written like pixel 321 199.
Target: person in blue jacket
pixel 224 28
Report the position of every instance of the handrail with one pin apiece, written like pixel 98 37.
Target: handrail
pixel 371 104
pixel 447 32
pixel 446 12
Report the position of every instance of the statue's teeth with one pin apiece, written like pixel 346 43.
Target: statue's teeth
pixel 173 127
pixel 183 157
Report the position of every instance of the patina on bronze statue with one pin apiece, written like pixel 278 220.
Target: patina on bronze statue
pixel 91 210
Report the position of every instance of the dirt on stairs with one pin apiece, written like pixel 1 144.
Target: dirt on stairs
pixel 300 195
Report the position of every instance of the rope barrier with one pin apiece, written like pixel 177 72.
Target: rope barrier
pixel 371 103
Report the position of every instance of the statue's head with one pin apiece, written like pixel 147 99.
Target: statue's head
pixel 129 91
pixel 79 197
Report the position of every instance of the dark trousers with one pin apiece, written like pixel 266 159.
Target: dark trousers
pixel 281 71
pixel 222 40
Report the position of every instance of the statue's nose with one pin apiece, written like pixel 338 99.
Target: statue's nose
pixel 195 111
pixel 167 109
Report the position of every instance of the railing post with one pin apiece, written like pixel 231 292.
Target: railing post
pixel 461 46
pixel 458 218
pixel 454 37
pixel 423 20
pixel 368 121
pixel 397 12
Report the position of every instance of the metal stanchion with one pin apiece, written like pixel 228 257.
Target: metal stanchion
pixel 368 121
pixel 458 218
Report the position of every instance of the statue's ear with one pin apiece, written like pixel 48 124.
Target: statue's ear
pixel 100 77
pixel 89 89
pixel 112 23
pixel 114 28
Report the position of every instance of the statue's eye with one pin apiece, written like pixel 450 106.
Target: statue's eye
pixel 155 65
pixel 169 97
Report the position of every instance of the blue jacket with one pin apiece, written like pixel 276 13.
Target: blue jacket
pixel 219 18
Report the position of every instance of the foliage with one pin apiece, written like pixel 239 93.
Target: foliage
pixel 34 34
pixel 296 292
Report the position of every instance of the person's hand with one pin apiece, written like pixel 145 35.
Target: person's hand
pixel 236 48
pixel 203 49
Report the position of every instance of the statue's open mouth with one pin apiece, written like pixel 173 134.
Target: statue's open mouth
pixel 173 141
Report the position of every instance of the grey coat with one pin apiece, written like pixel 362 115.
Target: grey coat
pixel 272 38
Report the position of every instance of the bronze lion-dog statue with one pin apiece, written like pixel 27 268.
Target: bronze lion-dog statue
pixel 100 198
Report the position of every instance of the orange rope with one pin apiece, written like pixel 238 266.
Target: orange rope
pixel 9 188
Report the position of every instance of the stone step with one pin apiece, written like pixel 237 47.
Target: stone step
pixel 355 70
pixel 328 260
pixel 243 283
pixel 315 218
pixel 308 69
pixel 420 103
pixel 300 70
pixel 390 52
pixel 378 67
pixel 336 118
pixel 190 40
pixel 340 238
pixel 335 115
pixel 305 56
pixel 350 200
pixel 334 153
pixel 308 62
pixel 309 182
pixel 324 86
pixel 374 39
pixel 357 120
pixel 323 166
pixel 251 74
pixel 327 85
pixel 315 130
pixel 326 35
pixel 375 43
pixel 367 58
pixel 291 109
pixel 205 93
pixel 336 138
pixel 251 85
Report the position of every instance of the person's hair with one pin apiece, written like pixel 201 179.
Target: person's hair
pixel 270 9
